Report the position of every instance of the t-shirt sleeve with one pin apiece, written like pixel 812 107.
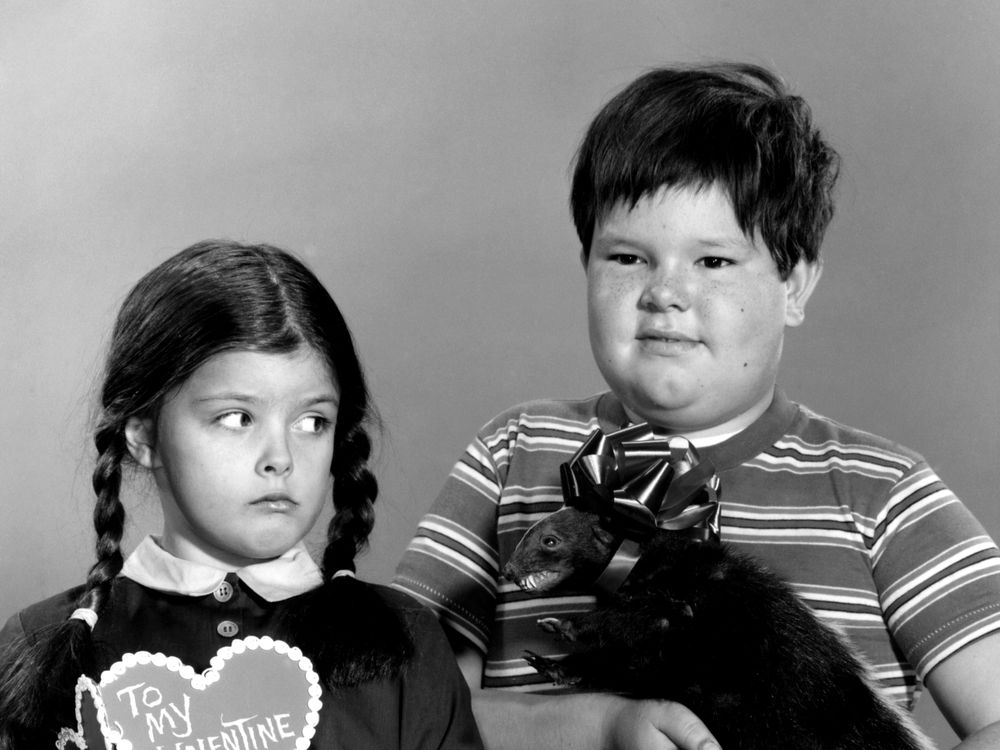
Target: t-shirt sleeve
pixel 937 570
pixel 451 565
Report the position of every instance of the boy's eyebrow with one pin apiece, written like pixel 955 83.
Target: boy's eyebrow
pixel 722 241
pixel 726 241
pixel 612 238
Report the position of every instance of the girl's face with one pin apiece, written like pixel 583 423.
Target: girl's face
pixel 241 455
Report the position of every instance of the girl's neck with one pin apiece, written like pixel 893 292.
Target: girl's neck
pixel 185 550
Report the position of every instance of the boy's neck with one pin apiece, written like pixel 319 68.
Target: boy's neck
pixel 717 433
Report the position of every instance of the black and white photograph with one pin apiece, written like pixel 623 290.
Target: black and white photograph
pixel 500 374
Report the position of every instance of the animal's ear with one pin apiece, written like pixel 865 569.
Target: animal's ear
pixel 603 536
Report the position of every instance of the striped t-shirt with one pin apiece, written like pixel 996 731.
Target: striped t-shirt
pixel 862 528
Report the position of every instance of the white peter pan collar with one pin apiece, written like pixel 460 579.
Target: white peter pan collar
pixel 292 574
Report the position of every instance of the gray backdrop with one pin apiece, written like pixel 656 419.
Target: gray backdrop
pixel 416 154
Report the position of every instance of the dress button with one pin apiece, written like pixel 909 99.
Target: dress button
pixel 228 628
pixel 224 592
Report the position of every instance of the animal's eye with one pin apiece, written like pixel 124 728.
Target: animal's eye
pixel 550 541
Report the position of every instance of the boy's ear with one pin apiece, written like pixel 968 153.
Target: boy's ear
pixel 139 437
pixel 799 287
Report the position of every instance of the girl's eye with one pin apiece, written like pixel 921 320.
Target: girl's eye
pixel 234 420
pixel 313 423
pixel 715 262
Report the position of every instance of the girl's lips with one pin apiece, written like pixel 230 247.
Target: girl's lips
pixel 275 502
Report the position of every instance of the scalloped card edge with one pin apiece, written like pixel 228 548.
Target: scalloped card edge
pixel 210 676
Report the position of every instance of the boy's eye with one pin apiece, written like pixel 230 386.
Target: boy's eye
pixel 713 261
pixel 625 259
pixel 313 423
pixel 234 420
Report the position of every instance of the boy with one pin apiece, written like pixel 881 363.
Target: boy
pixel 700 197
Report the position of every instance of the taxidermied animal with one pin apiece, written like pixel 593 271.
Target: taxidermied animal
pixel 698 623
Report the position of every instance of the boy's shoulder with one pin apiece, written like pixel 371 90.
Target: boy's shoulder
pixel 556 412
pixel 816 429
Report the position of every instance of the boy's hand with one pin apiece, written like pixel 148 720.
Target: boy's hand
pixel 655 725
pixel 510 720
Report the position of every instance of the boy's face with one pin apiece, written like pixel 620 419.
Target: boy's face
pixel 687 314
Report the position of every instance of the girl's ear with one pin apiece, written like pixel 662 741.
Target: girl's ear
pixel 799 287
pixel 139 439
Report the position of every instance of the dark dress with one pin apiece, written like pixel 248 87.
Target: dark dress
pixel 426 706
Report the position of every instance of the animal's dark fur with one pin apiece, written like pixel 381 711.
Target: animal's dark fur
pixel 712 629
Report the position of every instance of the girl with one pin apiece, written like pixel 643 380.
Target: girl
pixel 233 379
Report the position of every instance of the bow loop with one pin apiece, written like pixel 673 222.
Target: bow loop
pixel 637 481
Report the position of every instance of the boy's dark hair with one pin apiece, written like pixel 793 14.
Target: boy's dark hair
pixel 730 124
pixel 213 297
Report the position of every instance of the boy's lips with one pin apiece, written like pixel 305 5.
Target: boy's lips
pixel 664 341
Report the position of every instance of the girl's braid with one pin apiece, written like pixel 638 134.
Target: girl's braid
pixel 348 628
pixel 109 516
pixel 38 678
pixel 355 490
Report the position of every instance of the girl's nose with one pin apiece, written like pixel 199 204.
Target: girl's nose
pixel 276 457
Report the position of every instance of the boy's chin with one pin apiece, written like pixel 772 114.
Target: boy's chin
pixel 668 416
pixel 697 418
pixel 680 419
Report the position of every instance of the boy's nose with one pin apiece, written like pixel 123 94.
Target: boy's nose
pixel 665 291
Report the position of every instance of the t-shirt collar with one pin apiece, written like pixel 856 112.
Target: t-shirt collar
pixel 275 580
pixel 729 453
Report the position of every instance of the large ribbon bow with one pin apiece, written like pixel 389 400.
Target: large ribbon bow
pixel 637 481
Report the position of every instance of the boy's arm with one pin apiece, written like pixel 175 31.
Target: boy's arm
pixel 512 721
pixel 966 687
pixel 939 573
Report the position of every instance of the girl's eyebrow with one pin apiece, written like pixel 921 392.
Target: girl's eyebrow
pixel 326 398
pixel 319 399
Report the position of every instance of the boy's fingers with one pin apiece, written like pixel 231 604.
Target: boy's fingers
pixel 681 725
pixel 660 725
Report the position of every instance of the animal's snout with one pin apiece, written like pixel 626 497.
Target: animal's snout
pixel 509 573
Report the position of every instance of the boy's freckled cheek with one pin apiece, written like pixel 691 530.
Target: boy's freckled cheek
pixel 614 289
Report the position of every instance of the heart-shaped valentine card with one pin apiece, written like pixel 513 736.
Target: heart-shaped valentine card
pixel 257 693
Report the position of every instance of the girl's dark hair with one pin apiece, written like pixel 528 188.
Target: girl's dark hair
pixel 731 124
pixel 212 297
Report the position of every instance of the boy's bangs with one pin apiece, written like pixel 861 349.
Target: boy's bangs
pixel 696 159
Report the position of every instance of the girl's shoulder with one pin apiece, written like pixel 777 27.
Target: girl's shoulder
pixel 398 600
pixel 420 621
pixel 40 615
